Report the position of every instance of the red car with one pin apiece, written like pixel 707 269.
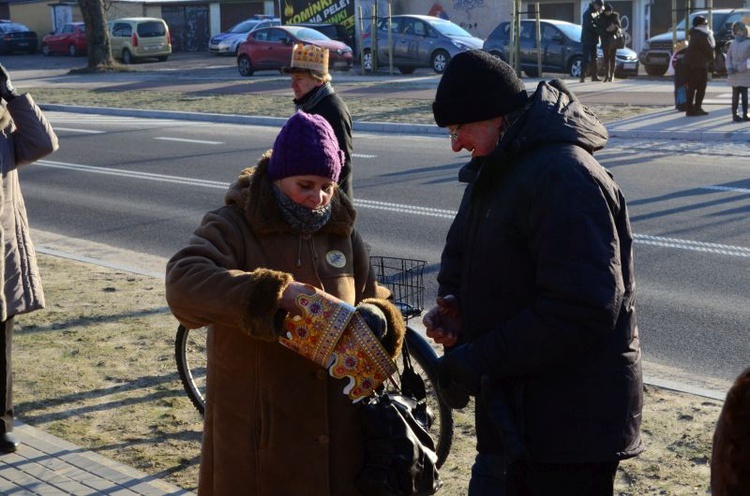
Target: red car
pixel 271 49
pixel 69 38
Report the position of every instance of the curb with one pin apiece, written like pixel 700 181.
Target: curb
pixel 370 127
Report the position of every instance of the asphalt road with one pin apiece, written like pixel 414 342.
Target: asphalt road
pixel 143 184
pixel 202 71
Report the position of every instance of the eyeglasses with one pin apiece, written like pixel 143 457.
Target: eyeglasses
pixel 454 134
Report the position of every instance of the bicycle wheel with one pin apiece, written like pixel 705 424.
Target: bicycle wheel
pixel 424 362
pixel 192 357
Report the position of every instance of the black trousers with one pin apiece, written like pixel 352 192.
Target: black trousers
pixel 561 479
pixel 589 56
pixel 6 376
pixel 609 62
pixel 737 92
pixel 697 81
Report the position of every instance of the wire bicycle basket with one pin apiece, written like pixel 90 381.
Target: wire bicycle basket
pixel 404 277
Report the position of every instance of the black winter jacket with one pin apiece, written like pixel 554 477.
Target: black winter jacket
pixel 333 109
pixel 590 26
pixel 699 53
pixel 540 257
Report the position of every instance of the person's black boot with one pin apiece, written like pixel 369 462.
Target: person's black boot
pixel 9 443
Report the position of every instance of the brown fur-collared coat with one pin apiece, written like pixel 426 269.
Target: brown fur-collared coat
pixel 25 137
pixel 730 458
pixel 276 424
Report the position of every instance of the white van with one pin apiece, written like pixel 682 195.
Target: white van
pixel 136 38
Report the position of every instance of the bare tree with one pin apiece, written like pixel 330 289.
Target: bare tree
pixel 99 51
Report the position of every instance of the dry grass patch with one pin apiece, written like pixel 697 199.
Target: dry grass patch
pixel 362 108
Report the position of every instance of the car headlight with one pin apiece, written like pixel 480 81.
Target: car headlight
pixel 460 45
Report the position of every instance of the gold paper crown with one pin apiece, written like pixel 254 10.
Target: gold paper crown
pixel 310 57
pixel 332 334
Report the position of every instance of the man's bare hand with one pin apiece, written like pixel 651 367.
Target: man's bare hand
pixel 443 322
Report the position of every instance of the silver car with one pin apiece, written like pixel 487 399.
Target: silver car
pixel 418 41
pixel 228 43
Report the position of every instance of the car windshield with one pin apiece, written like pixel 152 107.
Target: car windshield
pixel 717 19
pixel 13 27
pixel 572 31
pixel 448 28
pixel 243 27
pixel 310 34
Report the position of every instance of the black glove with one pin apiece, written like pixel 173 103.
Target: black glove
pixel 7 91
pixel 460 365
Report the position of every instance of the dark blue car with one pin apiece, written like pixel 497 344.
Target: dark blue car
pixel 15 37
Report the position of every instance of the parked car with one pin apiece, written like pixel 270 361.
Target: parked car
pixel 561 48
pixel 69 38
pixel 657 50
pixel 229 41
pixel 418 41
pixel 136 38
pixel 337 32
pixel 15 37
pixel 271 49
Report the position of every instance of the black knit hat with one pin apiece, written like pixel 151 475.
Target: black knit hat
pixel 476 86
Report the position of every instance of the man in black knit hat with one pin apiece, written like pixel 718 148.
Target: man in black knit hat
pixel 536 305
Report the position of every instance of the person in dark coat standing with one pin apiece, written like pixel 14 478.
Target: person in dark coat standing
pixel 314 93
pixel 589 39
pixel 25 137
pixel 609 23
pixel 698 57
pixel 536 307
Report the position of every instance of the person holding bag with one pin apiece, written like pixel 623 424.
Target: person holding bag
pixel 611 35
pixel 277 422
pixel 699 55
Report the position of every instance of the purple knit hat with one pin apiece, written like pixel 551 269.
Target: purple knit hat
pixel 306 146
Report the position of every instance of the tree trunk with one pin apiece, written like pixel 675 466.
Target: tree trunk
pixel 99 52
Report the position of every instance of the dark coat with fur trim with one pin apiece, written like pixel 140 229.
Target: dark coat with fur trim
pixel 730 457
pixel 275 422
pixel 540 257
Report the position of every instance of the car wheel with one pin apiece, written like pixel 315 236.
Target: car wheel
pixel 127 57
pixel 406 70
pixel 162 58
pixel 531 72
pixel 656 70
pixel 367 60
pixel 575 69
pixel 440 61
pixel 46 51
pixel 72 51
pixel 245 66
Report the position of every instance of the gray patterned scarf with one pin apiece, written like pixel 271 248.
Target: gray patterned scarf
pixel 300 218
pixel 315 97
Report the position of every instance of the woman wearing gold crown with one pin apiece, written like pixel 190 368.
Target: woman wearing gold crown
pixel 276 422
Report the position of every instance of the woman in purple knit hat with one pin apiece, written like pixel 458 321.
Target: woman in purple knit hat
pixel 276 423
